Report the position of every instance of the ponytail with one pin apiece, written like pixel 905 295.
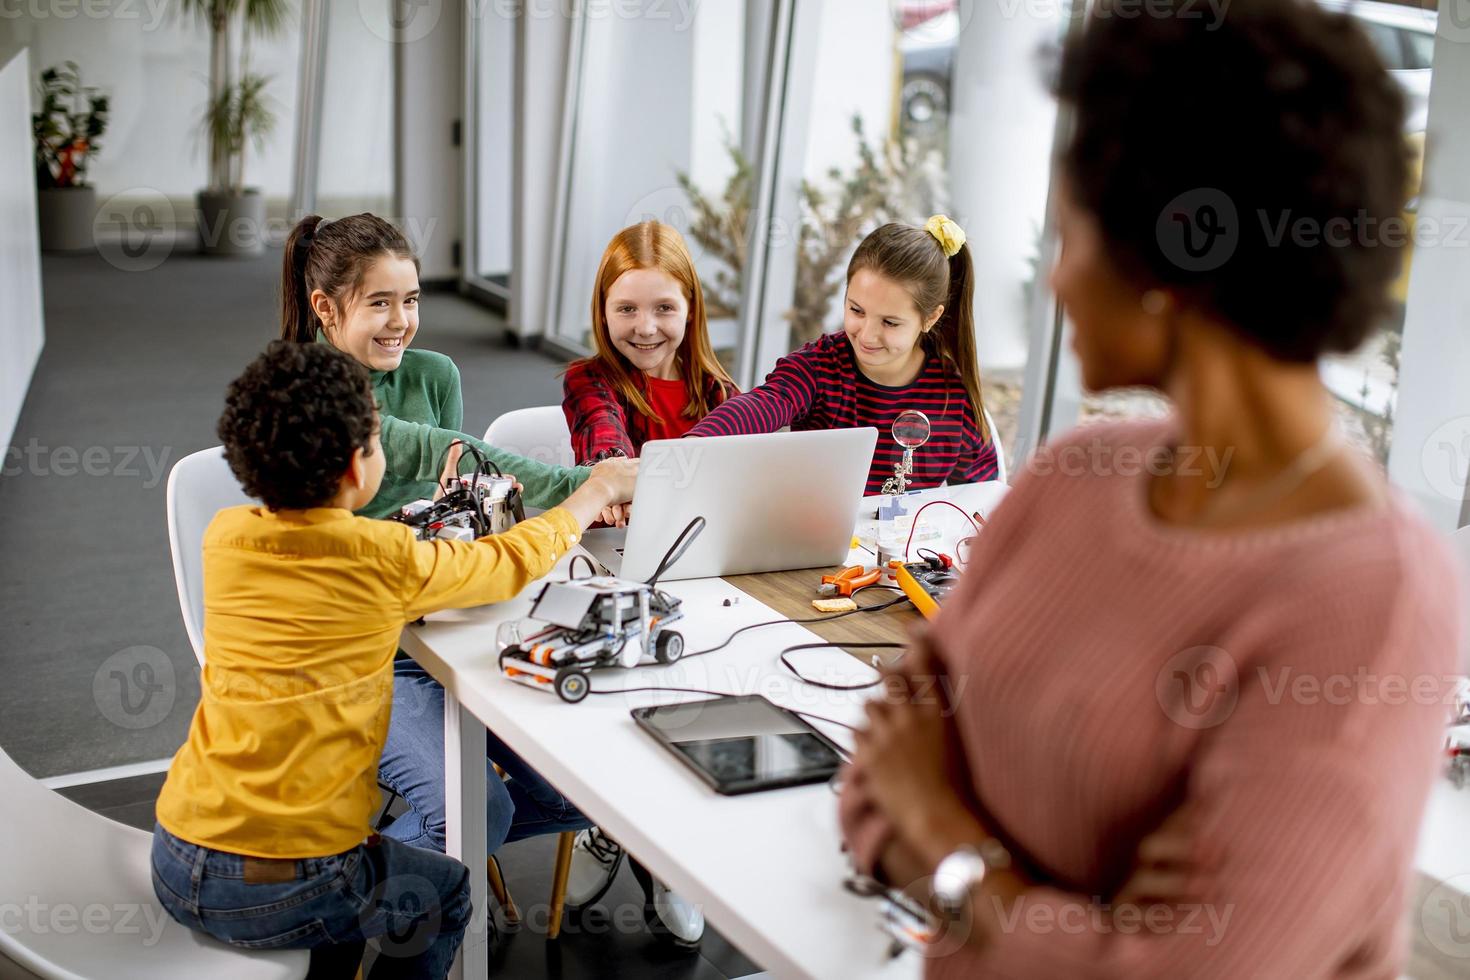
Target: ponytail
pixel 332 256
pixel 299 321
pixel 954 334
pixel 934 264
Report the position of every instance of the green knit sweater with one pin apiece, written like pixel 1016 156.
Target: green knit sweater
pixel 422 409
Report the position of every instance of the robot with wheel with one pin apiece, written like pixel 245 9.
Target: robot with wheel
pixel 593 622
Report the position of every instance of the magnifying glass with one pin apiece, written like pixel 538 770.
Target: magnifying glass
pixel 911 429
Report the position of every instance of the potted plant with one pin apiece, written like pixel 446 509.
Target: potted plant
pixel 67 129
pixel 230 214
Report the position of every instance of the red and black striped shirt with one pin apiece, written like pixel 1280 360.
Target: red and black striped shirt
pixel 820 387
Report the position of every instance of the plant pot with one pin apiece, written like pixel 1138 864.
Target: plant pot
pixel 230 223
pixel 66 215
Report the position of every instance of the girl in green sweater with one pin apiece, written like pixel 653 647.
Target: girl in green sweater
pixel 353 283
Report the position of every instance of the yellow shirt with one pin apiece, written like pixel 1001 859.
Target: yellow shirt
pixel 302 613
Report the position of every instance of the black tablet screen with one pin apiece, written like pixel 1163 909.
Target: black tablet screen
pixel 743 744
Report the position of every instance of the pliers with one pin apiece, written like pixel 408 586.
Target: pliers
pixel 848 581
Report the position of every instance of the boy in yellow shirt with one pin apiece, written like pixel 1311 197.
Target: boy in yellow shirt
pixel 264 834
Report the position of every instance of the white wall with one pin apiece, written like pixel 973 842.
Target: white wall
pixel 155 64
pixel 854 74
pixel 545 42
pixel 355 172
pixel 22 332
pixel 495 137
pixel 428 172
pixel 1431 438
pixel 654 93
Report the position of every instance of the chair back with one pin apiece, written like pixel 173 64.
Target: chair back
pixel 199 486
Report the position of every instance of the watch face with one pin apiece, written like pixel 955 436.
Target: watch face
pixel 956 876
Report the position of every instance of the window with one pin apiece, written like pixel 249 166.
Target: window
pixel 909 109
pixel 355 146
pixel 492 145
pixel 659 131
pixel 1365 382
pixel 1386 40
pixel 1418 50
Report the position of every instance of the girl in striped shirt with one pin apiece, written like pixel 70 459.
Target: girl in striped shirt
pixel 908 342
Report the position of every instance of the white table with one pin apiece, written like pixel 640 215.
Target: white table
pixel 766 868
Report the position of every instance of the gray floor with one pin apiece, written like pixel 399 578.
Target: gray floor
pixel 131 380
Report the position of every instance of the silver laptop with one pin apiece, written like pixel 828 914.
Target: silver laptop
pixel 770 502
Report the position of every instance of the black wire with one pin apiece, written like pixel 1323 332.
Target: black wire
pixel 572 567
pixel 677 690
pixel 802 622
pixel 785 662
pixel 931 551
pixel 676 550
pixel 482 523
pixel 830 721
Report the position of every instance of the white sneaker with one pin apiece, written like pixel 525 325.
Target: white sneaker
pixel 674 919
pixel 668 916
pixel 596 859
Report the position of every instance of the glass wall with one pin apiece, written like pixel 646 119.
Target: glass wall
pixel 908 109
pixel 659 102
pixel 492 151
pixel 1365 382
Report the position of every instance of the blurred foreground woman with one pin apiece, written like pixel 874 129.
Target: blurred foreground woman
pixel 1193 679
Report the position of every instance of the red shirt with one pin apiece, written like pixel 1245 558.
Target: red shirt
pixel 668 399
pixel 604 424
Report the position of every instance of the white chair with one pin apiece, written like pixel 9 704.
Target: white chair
pixel 199 486
pixel 1001 474
pixel 86 907
pixel 538 433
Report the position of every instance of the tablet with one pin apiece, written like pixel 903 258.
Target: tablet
pixel 742 744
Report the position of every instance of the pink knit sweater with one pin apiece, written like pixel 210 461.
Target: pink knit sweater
pixel 1290 683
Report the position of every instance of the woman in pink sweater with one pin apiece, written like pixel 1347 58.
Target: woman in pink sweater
pixel 1194 679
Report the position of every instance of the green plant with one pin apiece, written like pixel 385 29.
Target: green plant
pixel 901 180
pixel 236 113
pixel 72 119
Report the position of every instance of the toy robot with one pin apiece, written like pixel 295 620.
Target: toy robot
pixel 470 506
pixel 599 621
pixel 593 622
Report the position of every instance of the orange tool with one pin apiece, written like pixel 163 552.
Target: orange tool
pixel 848 581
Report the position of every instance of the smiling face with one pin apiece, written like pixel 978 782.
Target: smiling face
pixel 884 326
pixel 647 315
pixel 375 324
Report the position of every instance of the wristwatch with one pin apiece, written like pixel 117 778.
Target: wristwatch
pixel 963 869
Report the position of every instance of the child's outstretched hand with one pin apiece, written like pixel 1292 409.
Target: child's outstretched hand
pixel 451 467
pixel 618 475
pixel 609 486
pixel 616 515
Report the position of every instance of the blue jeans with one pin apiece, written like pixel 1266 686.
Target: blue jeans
pixel 412 765
pixel 417 901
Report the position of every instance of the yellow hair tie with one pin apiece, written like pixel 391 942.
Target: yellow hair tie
pixel 951 237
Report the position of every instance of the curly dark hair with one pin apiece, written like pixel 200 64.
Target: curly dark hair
pixel 1256 165
pixel 292 421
